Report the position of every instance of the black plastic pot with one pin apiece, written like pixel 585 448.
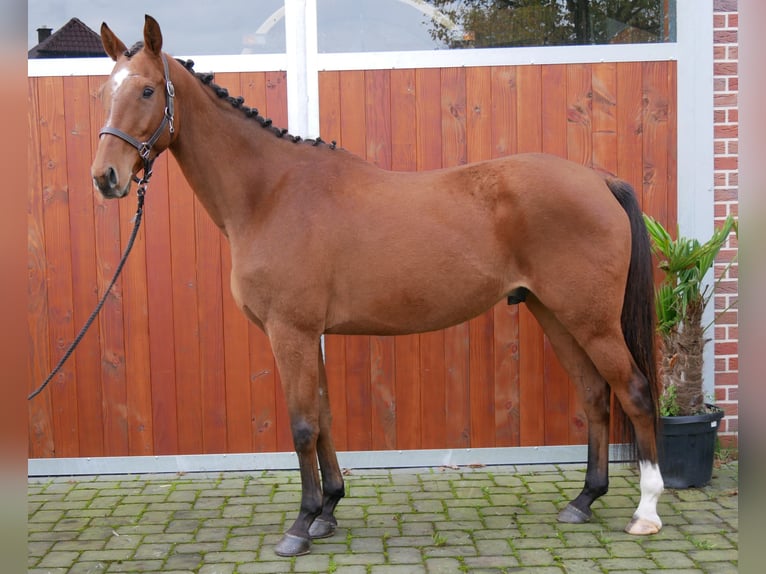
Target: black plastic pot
pixel 687 447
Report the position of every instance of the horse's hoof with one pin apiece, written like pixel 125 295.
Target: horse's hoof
pixel 642 527
pixel 321 528
pixel 292 545
pixel 573 515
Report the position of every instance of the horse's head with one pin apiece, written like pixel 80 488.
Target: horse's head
pixel 138 99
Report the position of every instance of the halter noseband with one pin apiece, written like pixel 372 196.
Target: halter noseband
pixel 145 148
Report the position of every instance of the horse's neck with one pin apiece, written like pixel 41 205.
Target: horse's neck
pixel 223 157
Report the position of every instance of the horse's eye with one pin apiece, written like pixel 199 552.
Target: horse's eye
pixel 148 92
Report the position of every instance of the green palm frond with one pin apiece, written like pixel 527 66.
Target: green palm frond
pixel 685 262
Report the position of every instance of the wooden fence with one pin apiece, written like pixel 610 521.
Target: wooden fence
pixel 172 367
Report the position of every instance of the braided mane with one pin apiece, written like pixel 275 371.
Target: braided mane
pixel 236 102
pixel 252 113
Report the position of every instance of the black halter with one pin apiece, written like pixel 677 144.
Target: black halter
pixel 145 148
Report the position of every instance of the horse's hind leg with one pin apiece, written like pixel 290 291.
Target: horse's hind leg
pixel 332 478
pixel 594 394
pixel 610 355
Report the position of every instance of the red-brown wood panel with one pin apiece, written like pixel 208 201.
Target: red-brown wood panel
pixel 83 252
pixel 59 271
pixel 41 436
pixel 172 366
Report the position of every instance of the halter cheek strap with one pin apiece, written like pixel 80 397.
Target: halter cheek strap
pixel 145 148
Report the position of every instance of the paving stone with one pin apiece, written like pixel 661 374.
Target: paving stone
pixel 482 520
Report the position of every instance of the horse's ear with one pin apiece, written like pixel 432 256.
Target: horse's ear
pixel 152 35
pixel 113 46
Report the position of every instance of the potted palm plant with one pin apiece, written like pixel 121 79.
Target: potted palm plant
pixel 689 425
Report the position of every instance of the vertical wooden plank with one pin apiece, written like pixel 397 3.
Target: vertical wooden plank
pixel 655 137
pixel 83 242
pixel 481 358
pixel 504 111
pixel 630 125
pixel 276 97
pixel 671 192
pixel 378 151
pixel 159 288
pixel 531 343
pixel 266 413
pixel 41 439
pixel 456 338
pixel 505 317
pixel 406 347
pixel 329 105
pixel 605 117
pixel 554 109
pixel 208 241
pixel 357 348
pixel 110 319
pixel 579 114
pixel 55 187
pixel 185 321
pixel 429 156
pixel 335 347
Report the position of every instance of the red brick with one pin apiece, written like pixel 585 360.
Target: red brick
pixel 733 52
pixel 730 409
pixel 725 69
pixel 724 100
pixel 733 20
pixel 719 147
pixel 725 37
pixel 729 162
pixel 719 53
pixel 734 84
pixel 719 84
pixel 733 365
pixel 733 179
pixel 726 195
pixel 724 5
pixel 733 115
pixel 727 379
pixel 726 131
pixel 733 147
pixel 719 21
pixel 719 179
pixel 719 116
pixel 727 440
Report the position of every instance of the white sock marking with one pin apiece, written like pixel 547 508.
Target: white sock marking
pixel 651 488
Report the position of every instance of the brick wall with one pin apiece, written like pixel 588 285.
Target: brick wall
pixel 725 86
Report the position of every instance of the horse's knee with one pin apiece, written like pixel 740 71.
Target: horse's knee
pixel 304 435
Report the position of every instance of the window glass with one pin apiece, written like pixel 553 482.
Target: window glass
pixel 188 28
pixel 377 25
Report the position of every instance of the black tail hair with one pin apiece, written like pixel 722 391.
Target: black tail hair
pixel 638 311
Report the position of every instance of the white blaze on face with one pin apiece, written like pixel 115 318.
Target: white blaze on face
pixel 118 79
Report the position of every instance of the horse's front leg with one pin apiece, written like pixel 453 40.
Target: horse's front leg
pixel 332 478
pixel 295 353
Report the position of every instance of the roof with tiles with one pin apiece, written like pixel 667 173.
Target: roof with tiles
pixel 73 40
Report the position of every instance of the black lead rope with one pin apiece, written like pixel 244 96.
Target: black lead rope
pixel 137 219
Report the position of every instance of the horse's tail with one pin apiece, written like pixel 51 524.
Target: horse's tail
pixel 638 312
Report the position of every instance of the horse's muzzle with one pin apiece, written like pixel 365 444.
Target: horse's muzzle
pixel 108 184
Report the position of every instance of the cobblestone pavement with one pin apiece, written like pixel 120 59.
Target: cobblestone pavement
pixel 436 520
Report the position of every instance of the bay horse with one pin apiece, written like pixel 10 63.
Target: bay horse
pixel 325 242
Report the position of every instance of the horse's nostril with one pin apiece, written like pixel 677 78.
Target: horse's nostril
pixel 112 177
